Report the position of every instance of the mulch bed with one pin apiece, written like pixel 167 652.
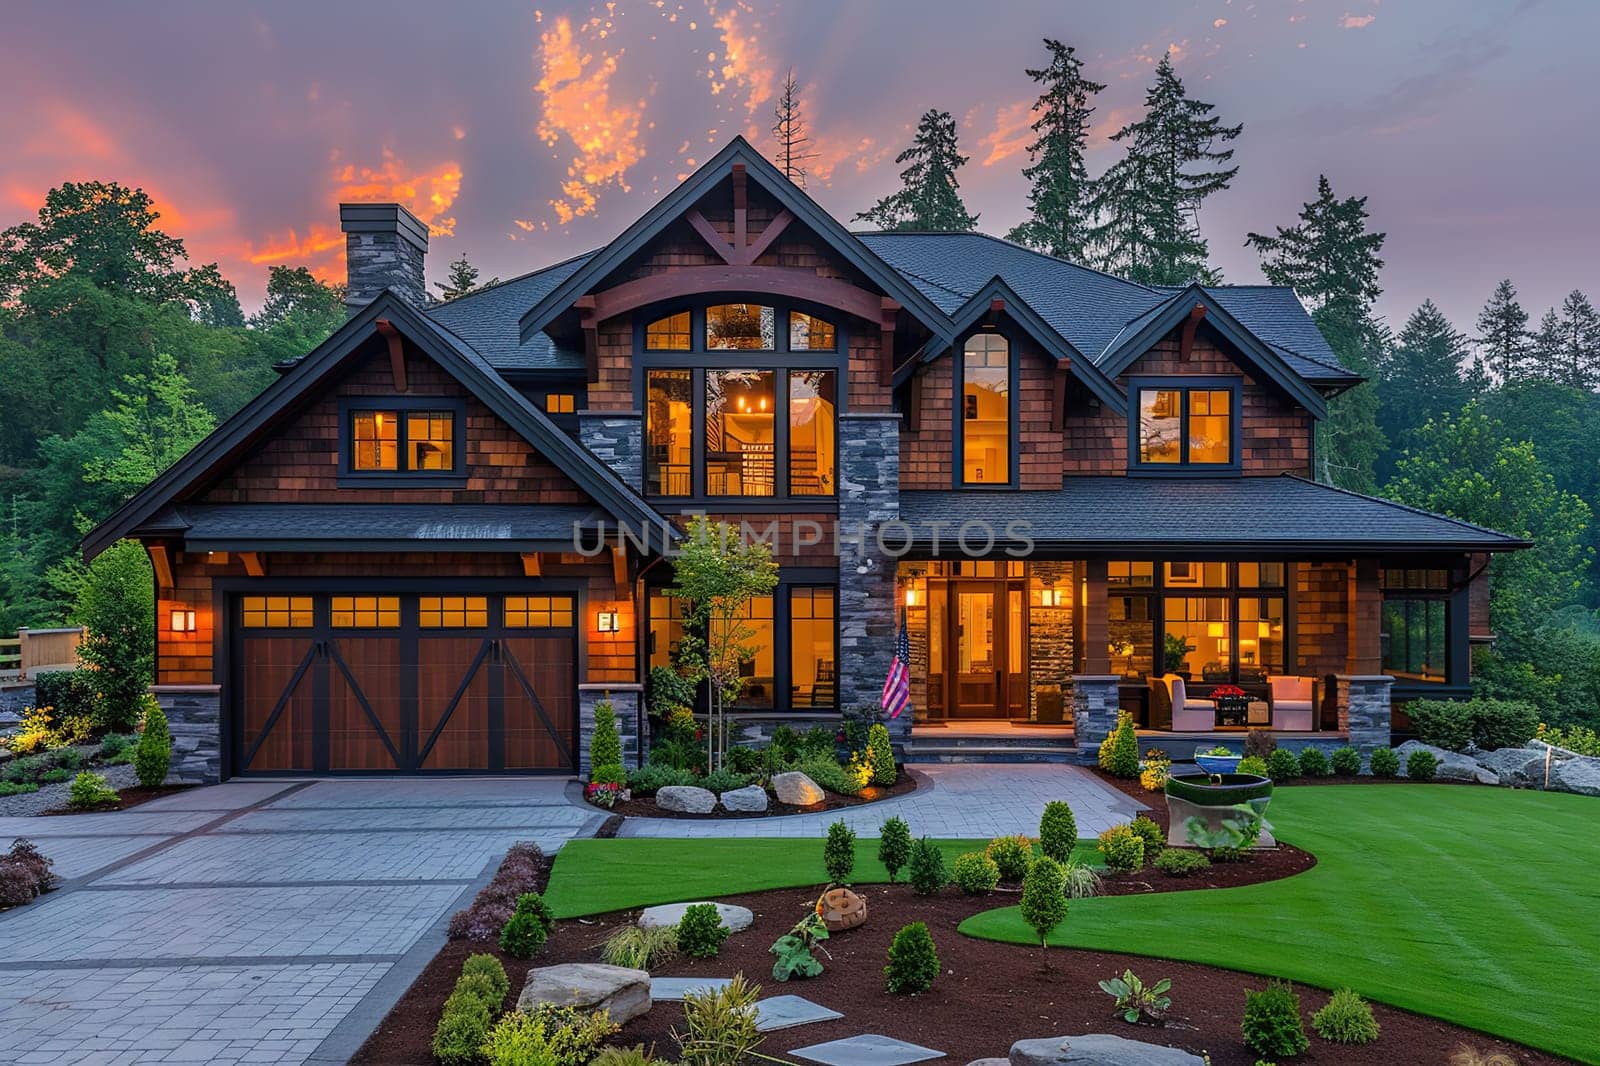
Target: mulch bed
pixel 645 806
pixel 126 797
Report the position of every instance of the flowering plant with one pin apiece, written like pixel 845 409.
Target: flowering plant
pixel 603 793
pixel 1228 692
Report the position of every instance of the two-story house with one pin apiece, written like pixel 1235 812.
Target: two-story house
pixel 441 537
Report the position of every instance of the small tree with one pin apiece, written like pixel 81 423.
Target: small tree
pixel 153 754
pixel 115 606
pixel 881 755
pixel 839 853
pixel 1058 831
pixel 1044 897
pixel 717 574
pixel 894 846
pixel 605 745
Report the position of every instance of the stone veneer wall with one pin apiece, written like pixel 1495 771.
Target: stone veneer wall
pixel 378 261
pixel 194 718
pixel 1050 637
pixel 869 496
pixel 1365 712
pixel 1094 709
pixel 627 701
pixel 616 438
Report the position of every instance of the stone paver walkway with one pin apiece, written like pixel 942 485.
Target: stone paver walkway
pixel 957 800
pixel 254 921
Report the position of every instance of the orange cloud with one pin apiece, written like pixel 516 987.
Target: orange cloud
pixel 1012 132
pixel 429 194
pixel 744 64
pixel 1357 22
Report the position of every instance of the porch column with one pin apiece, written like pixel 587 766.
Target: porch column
pixel 626 701
pixel 1096 629
pixel 617 439
pixel 869 496
pixel 1365 713
pixel 1095 698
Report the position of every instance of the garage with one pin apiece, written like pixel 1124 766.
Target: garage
pixel 396 682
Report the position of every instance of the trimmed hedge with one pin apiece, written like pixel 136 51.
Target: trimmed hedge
pixel 1490 724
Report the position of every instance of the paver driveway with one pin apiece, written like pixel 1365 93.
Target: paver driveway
pixel 252 921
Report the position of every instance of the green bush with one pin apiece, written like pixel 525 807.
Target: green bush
pixel 701 932
pixel 1347 1019
pixel 1488 723
pixel 1385 763
pixel 1260 743
pixel 462 1029
pixel 651 779
pixel 1421 765
pixel 623 1056
pixel 881 755
pixel 668 689
pixel 1058 831
pixel 68 758
pixel 827 772
pixel 1282 766
pixel 89 789
pixel 894 846
pixel 913 960
pixel 518 1039
pixel 975 873
pixel 723 780
pixel 640 949
pixel 1175 862
pixel 679 753
pixel 605 745
pixel 1345 761
pixel 1313 763
pixel 719 1024
pixel 116 607
pixel 785 745
pixel 1580 739
pixel 1123 848
pixel 839 853
pixel 54 776
pixel 1119 752
pixel 528 927
pixel 490 969
pixel 1044 898
pixel 573 1036
pixel 927 874
pixel 819 742
pixel 1013 855
pixel 154 752
pixel 1271 1025
pixel 1253 764
pixel 608 775
pixel 1149 832
pixel 16 788
pixel 748 762
pixel 71 692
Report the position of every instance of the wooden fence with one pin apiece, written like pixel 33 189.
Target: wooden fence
pixel 32 650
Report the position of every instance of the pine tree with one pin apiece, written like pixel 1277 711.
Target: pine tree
pixel 1148 203
pixel 1545 348
pixel 1577 361
pixel 461 280
pixel 929 197
pixel 1331 261
pixel 1503 338
pixel 1420 376
pixel 1058 202
pixel 789 128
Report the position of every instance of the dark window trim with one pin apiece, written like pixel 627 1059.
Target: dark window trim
pixel 957 405
pixel 781 309
pixel 1456 596
pixel 455 477
pixel 1186 383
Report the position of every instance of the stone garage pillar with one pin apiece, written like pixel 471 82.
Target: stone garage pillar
pixel 869 496
pixel 194 718
pixel 1094 710
pixel 625 699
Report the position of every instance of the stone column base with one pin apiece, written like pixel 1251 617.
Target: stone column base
pixel 1094 709
pixel 626 699
pixel 194 718
pixel 1365 713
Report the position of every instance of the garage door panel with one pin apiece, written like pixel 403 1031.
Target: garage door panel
pixel 365 720
pixel 279 703
pixel 453 703
pixel 540 713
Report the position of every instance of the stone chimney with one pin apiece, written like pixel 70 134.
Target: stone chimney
pixel 384 248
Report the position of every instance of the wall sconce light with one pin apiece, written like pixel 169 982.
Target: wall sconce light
pixel 912 598
pixel 183 620
pixel 1050 597
pixel 606 622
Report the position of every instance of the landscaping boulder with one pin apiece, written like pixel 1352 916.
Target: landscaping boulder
pixel 1580 775
pixel 796 789
pixel 1453 766
pixel 588 986
pixel 737 919
pixel 989 1062
pixel 686 799
pixel 1515 766
pixel 751 798
pixel 1099 1049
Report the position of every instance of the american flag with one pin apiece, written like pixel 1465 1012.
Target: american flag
pixel 897 688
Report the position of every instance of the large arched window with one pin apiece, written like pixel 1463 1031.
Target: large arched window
pixel 986 410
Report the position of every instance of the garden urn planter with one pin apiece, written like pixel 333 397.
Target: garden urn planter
pixel 1217 764
pixel 1212 799
pixel 841 909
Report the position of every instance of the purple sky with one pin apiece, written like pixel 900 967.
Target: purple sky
pixel 524 135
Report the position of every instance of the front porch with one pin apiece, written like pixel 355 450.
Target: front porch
pixel 1000 741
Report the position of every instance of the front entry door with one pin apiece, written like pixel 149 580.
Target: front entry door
pixel 982 641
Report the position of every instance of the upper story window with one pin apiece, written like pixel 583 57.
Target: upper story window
pixel 669 334
pixel 986 410
pixel 404 438
pixel 741 327
pixel 560 403
pixel 808 333
pixel 1185 424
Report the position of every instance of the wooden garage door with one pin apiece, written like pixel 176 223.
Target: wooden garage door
pixel 410 683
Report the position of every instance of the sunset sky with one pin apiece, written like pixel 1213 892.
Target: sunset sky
pixel 523 134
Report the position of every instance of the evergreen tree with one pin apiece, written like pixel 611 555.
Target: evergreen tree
pixel 1331 260
pixel 1420 376
pixel 1544 358
pixel 929 196
pixel 1058 201
pixel 789 129
pixel 1503 338
pixel 461 280
pixel 1148 203
pixel 1577 360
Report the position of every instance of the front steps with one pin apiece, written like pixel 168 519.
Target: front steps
pixel 999 746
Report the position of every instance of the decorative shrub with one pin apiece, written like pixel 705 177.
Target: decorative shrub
pixel 70 692
pixel 641 949
pixel 913 960
pixel 1580 739
pixel 1135 1000
pixel 517 1040
pixel 651 779
pixel 839 853
pixel 1282 766
pixel 1058 831
pixel 490 969
pixel 493 905
pixel 1123 848
pixel 1271 1025
pixel 605 745
pixel 1421 765
pixel 975 873
pixel 723 780
pixel 1260 743
pixel 746 761
pixel 927 875
pixel 827 772
pixel 55 776
pixel 794 948
pixel 719 1024
pixel 608 775
pixel 679 753
pixel 1454 724
pixel 1347 1019
pixel 16 886
pixel 68 759
pixel 785 745
pixel 894 846
pixel 1385 763
pixel 1157 768
pixel 881 755
pixel 1149 832
pixel 1175 862
pixel 1013 855
pixel 573 1036
pixel 1345 761
pixel 116 606
pixel 623 1056
pixel 701 932
pixel 1253 764
pixel 154 752
pixel 668 689
pixel 1314 764
pixel 463 1027
pixel 89 789
pixel 529 927
pixel 1044 898
pixel 24 874
pixel 1119 752
pixel 16 788
pixel 819 743
pixel 1082 880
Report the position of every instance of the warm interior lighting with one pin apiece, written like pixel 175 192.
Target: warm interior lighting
pixel 606 622
pixel 182 620
pixel 1263 629
pixel 1216 629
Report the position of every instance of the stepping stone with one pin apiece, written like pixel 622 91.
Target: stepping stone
pixel 588 986
pixel 737 919
pixel 1098 1049
pixel 672 989
pixel 868 1050
pixel 782 1012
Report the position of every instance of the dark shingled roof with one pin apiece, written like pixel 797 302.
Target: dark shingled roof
pixel 487 320
pixel 1131 513
pixel 464 527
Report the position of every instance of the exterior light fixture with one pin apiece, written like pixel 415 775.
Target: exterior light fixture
pixel 606 622
pixel 1050 597
pixel 911 596
pixel 183 620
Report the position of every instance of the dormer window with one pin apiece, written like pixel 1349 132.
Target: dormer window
pixel 1185 425
pixel 985 414
pixel 404 439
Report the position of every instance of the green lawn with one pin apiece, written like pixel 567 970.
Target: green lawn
pixel 596 876
pixel 1480 906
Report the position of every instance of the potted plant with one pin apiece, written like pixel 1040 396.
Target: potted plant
pixel 1233 704
pixel 1217 760
pixel 1174 650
